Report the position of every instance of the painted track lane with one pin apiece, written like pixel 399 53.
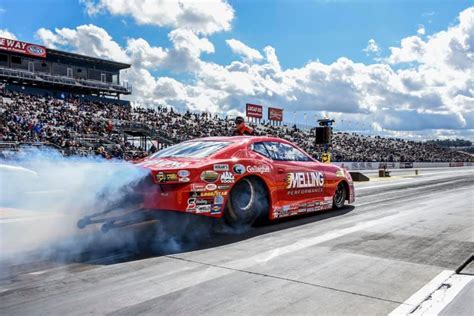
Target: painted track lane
pixel 369 259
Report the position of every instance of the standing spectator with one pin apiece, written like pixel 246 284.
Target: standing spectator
pixel 241 128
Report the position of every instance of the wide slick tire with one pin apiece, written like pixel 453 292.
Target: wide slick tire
pixel 247 203
pixel 339 197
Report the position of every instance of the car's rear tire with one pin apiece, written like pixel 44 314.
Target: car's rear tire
pixel 248 202
pixel 339 197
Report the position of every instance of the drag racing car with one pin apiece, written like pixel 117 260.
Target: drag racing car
pixel 244 178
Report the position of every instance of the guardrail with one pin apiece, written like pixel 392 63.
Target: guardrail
pixel 368 165
pixel 44 77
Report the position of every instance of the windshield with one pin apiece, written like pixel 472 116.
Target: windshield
pixel 191 150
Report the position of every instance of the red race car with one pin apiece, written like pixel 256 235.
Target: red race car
pixel 243 178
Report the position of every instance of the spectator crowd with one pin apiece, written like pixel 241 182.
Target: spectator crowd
pixel 78 127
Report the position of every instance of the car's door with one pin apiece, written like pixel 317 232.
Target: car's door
pixel 298 178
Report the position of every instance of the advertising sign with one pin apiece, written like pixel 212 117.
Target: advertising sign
pixel 275 114
pixel 22 47
pixel 254 110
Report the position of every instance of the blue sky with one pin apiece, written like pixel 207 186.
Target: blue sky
pixel 299 30
pixel 304 56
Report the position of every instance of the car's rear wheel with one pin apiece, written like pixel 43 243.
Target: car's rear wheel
pixel 248 202
pixel 339 197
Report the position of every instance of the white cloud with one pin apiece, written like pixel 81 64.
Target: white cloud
pixel 372 48
pixel 248 53
pixel 204 17
pixel 421 30
pixel 184 55
pixel 85 39
pixel 432 90
pixel 7 34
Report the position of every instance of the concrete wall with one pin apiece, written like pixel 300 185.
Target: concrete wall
pixel 399 165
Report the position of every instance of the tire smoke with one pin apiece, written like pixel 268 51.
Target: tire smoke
pixel 43 194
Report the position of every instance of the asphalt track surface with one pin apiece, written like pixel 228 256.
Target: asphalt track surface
pixel 392 251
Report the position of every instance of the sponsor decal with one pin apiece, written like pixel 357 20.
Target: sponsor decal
pixel 219 199
pixel 223 187
pixel 209 176
pixel 221 167
pixel 239 169
pixel 215 209
pixel 212 194
pixel 227 177
pixel 183 173
pixel 299 180
pixel 191 204
pixel 165 177
pixel 340 174
pixel 198 187
pixel 166 163
pixel 258 169
pixel 203 209
pixel 183 179
pixel 211 187
pixel 202 202
pixel 305 191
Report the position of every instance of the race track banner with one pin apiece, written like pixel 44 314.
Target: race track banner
pixel 404 165
pixel 254 110
pixel 275 114
pixel 22 47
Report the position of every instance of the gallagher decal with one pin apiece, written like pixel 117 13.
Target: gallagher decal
pixel 258 169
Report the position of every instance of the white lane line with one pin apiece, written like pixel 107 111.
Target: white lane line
pixel 413 301
pixel 444 295
pixel 406 190
pixel 432 298
pixel 405 181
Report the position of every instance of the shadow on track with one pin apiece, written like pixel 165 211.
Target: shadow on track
pixel 171 233
pixel 177 233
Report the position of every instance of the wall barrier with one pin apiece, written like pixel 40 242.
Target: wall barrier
pixel 367 165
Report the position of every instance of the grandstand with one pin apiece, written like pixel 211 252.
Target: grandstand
pixel 35 69
pixel 73 103
pixel 79 127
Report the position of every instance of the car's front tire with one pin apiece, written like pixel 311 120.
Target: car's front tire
pixel 248 201
pixel 339 197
